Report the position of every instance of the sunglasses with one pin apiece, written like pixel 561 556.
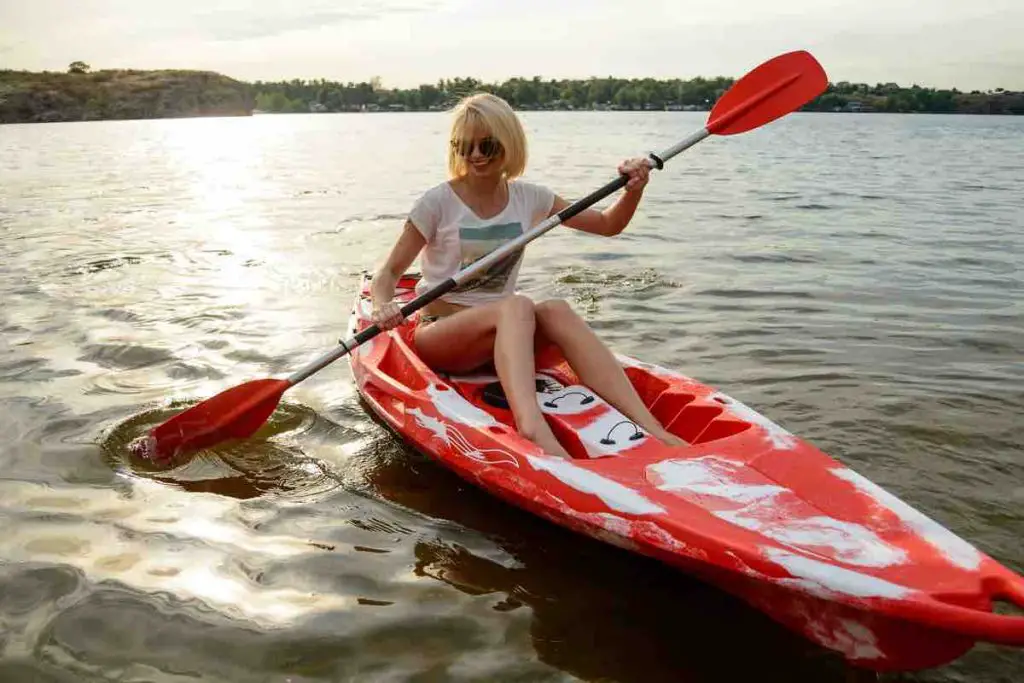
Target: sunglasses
pixel 488 146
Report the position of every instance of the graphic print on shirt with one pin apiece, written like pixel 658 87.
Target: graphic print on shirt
pixel 477 242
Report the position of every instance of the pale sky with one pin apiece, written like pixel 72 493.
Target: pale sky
pixel 969 44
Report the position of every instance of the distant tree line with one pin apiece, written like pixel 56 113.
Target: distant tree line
pixel 614 94
pixel 83 94
pixel 890 97
pixel 523 93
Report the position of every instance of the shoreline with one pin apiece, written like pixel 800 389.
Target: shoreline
pixel 518 109
pixel 130 94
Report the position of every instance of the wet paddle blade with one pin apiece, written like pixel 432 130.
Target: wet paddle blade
pixel 774 89
pixel 233 414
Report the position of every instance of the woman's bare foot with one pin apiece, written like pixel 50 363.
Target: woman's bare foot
pixel 668 438
pixel 546 440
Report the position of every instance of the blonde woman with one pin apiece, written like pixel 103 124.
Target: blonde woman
pixel 481 206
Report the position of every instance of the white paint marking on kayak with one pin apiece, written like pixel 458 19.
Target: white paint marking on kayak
pixel 851 638
pixel 955 549
pixel 627 533
pixel 613 523
pixel 711 476
pixel 780 438
pixel 612 493
pixel 768 509
pixel 660 537
pixel 823 580
pixel 856 641
pixel 455 440
pixel 604 526
pixel 848 542
pixel 745 568
pixel 490 456
pixel 453 406
pixel 365 308
pixel 439 428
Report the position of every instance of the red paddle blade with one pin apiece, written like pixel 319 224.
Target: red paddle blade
pixel 776 88
pixel 232 414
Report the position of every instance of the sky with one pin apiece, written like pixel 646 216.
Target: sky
pixel 967 44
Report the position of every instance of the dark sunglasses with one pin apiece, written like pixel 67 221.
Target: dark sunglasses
pixel 489 147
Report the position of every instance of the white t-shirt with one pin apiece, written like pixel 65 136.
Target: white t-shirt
pixel 456 237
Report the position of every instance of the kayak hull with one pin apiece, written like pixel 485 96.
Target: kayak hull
pixel 746 506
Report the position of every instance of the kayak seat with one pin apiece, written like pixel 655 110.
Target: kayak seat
pixel 494 395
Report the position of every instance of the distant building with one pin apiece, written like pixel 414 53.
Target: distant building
pixel 857 106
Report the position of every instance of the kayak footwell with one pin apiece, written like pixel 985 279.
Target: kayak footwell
pixel 746 505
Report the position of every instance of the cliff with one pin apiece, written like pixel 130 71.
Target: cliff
pixel 29 97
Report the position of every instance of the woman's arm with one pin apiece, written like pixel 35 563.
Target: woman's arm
pixel 382 288
pixel 616 217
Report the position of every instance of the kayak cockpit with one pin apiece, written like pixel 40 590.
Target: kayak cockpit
pixel 589 427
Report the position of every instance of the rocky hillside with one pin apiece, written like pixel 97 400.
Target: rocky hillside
pixel 29 97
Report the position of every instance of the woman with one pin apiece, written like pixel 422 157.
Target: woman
pixel 459 221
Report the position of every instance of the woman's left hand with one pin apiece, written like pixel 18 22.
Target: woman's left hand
pixel 638 172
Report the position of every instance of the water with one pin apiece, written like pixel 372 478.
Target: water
pixel 856 278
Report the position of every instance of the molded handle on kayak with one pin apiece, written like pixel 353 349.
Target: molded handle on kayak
pixel 995 628
pixel 1012 588
pixel 978 624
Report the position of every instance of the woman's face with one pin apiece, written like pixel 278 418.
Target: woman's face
pixel 482 152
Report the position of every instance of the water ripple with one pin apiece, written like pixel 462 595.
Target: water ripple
pixel 855 278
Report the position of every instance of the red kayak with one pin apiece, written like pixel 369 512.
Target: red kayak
pixel 746 506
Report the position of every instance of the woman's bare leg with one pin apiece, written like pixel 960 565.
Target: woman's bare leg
pixel 596 366
pixel 503 331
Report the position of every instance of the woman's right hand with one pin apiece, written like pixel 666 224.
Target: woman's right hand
pixel 387 316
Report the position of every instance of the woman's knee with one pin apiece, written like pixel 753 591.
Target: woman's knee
pixel 555 312
pixel 519 308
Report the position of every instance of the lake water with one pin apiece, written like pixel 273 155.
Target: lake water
pixel 857 278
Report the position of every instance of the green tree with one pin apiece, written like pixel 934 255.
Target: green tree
pixel 625 97
pixel 430 96
pixel 276 102
pixel 525 93
pixel 78 67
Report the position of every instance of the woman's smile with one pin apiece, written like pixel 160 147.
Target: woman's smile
pixel 483 165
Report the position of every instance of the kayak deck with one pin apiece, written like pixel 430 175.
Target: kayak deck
pixel 747 505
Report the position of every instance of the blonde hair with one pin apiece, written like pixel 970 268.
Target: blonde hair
pixel 490 113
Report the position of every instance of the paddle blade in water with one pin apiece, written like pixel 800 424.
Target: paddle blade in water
pixel 775 88
pixel 232 414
